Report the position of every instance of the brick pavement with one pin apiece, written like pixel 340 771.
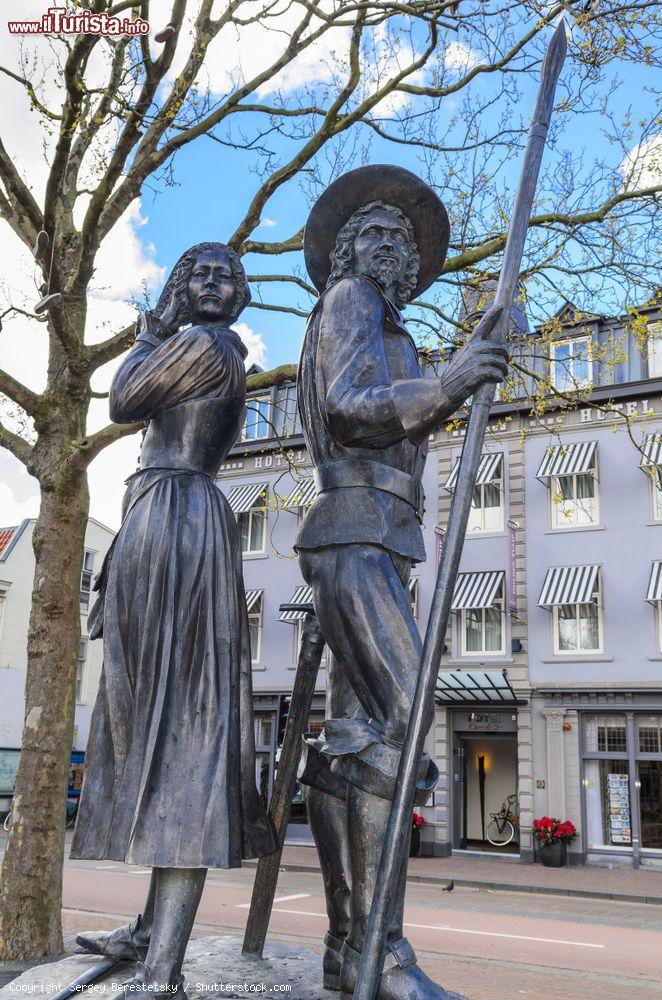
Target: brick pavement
pixel 625 884
pixel 477 979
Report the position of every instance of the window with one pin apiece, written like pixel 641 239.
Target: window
pixel 654 350
pixel 570 363
pixel 482 629
pixel 656 490
pixel 86 580
pixel 609 740
pixel 3 598
pixel 486 512
pixel 255 628
pixel 413 594
pixel 296 641
pixel 257 418
pixel 650 733
pixel 80 668
pixel 252 528
pixel 575 499
pixel 578 627
pixel 264 729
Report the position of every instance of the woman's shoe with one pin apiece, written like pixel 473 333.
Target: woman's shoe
pixel 120 943
pixel 144 985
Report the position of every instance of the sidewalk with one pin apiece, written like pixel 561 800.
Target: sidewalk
pixel 642 885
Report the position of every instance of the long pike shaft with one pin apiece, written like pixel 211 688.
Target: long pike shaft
pixel 395 842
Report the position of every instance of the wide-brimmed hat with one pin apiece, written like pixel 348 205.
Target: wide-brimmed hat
pixel 393 186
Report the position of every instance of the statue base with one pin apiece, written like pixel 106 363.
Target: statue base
pixel 214 967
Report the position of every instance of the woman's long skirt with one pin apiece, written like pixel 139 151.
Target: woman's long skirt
pixel 170 764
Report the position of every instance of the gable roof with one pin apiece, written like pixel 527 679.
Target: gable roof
pixel 6 535
pixel 10 536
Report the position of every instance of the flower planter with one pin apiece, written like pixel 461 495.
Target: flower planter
pixel 554 855
pixel 415 844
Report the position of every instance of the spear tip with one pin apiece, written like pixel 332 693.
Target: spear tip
pixel 555 54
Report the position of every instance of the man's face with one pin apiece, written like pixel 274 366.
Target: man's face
pixel 381 249
pixel 211 288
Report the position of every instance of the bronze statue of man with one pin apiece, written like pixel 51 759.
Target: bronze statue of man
pixel 170 768
pixel 375 240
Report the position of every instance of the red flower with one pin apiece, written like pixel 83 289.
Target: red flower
pixel 548 829
pixel 417 821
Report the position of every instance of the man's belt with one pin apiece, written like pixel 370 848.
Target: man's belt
pixel 363 472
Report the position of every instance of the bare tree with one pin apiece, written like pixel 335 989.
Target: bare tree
pixel 440 85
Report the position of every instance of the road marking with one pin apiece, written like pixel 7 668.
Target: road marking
pixel 462 930
pixel 105 868
pixel 142 871
pixel 279 899
pixel 516 937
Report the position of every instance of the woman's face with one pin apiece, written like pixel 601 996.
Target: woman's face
pixel 211 289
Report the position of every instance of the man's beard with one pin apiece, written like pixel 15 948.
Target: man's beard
pixel 385 272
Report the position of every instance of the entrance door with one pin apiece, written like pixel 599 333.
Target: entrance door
pixel 485 775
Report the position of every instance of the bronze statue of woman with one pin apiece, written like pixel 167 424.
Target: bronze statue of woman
pixel 170 766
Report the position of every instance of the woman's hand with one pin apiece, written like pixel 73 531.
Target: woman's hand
pixel 170 317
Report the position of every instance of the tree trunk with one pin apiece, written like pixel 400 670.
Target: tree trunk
pixel 31 887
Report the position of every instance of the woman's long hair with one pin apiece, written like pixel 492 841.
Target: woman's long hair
pixel 181 274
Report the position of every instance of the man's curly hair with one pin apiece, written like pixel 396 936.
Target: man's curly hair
pixel 181 274
pixel 342 255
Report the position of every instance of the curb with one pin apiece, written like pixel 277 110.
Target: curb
pixel 473 883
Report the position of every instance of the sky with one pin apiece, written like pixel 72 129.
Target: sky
pixel 212 187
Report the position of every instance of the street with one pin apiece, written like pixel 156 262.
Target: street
pixel 489 945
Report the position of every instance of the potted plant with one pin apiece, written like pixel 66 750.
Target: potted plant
pixel 417 822
pixel 553 837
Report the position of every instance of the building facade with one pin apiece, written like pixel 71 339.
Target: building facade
pixel 550 685
pixel 16 581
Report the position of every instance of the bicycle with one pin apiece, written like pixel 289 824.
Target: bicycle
pixel 501 828
pixel 70 818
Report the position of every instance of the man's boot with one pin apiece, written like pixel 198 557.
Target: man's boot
pixel 328 821
pixel 402 979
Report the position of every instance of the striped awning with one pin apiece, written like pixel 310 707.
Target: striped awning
pixel 487 470
pixel 477 590
pixel 252 597
pixel 652 449
pixel 568 585
pixel 303 494
pixel 568 460
pixel 654 593
pixel 302 595
pixel 243 498
pixel 455 687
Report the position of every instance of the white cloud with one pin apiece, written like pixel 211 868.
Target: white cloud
pixel 19 492
pixel 241 53
pixel 460 57
pixel 257 349
pixel 267 223
pixel 642 167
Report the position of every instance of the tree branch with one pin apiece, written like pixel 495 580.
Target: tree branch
pixel 108 350
pixel 17 446
pixel 464 260
pixel 290 245
pixel 276 377
pixel 19 393
pixel 89 447
pixel 26 219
